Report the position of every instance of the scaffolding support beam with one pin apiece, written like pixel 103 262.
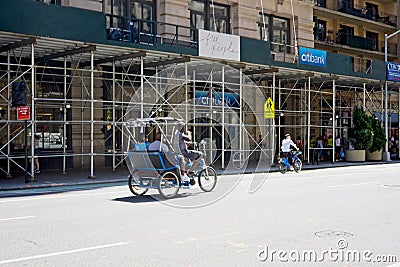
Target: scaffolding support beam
pixel 90 48
pixel 18 44
pixel 117 58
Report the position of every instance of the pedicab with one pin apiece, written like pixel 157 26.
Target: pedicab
pixel 157 169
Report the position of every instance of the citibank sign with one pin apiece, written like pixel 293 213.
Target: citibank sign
pixel 313 57
pixel 393 71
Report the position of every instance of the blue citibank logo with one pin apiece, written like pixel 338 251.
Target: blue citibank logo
pixel 230 100
pixel 393 71
pixel 313 57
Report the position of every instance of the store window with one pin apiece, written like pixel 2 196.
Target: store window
pixel 49 113
pixel 208 16
pixel 276 30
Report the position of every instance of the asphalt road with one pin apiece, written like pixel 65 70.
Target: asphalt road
pixel 322 217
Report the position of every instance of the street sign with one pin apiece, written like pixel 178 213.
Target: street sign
pixel 393 71
pixel 23 113
pixel 269 109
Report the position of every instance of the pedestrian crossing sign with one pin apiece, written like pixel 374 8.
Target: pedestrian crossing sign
pixel 269 109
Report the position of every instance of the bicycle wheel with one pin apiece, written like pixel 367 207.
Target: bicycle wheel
pixel 207 179
pixel 282 167
pixel 168 185
pixel 239 160
pixel 297 165
pixel 134 186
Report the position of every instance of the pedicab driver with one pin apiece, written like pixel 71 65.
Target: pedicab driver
pixel 181 141
pixel 286 147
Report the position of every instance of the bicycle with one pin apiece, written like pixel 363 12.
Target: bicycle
pixel 297 164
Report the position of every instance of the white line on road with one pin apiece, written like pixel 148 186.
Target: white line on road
pixel 66 252
pixel 60 196
pixel 205 238
pixel 16 218
pixel 343 185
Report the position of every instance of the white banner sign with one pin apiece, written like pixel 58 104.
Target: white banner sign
pixel 219 45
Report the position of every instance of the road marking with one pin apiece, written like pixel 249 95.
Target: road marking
pixel 16 218
pixel 65 252
pixel 63 196
pixel 205 238
pixel 343 185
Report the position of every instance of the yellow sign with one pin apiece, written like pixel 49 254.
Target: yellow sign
pixel 269 109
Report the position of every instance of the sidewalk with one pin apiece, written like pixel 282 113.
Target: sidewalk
pixel 53 178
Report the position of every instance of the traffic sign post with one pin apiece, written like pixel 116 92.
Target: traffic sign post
pixel 24 113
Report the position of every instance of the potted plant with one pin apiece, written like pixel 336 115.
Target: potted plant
pixel 360 135
pixel 378 141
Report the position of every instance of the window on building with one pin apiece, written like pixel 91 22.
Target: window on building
pixel 372 40
pixel 120 12
pixel 320 30
pixel 276 30
pixel 208 16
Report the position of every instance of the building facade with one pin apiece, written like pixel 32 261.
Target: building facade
pixel 86 63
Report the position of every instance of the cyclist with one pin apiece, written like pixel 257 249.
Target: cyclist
pixel 286 148
pixel 181 141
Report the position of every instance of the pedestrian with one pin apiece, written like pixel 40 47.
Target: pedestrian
pixel 338 147
pixel 320 145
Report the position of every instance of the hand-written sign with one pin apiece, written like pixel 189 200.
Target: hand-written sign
pixel 219 45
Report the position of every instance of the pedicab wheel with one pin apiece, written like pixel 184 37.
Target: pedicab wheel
pixel 297 165
pixel 134 186
pixel 207 179
pixel 168 185
pixel 282 167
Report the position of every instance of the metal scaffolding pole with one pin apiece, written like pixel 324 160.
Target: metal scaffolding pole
pixel 33 88
pixel 186 95
pixel 223 118
pixel 113 114
pixel 64 171
pixel 273 120
pixel 194 103
pixel 82 119
pixel 309 120
pixel 240 111
pixel 141 88
pixel 91 176
pixel 8 115
pixel 364 91
pixel 280 112
pixel 334 119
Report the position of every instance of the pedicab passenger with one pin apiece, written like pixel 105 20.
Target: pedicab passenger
pixel 157 145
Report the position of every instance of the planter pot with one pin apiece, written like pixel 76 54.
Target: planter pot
pixel 374 156
pixel 355 155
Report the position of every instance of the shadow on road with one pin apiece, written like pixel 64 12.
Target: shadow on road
pixel 151 198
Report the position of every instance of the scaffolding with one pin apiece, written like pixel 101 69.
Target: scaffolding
pixel 80 95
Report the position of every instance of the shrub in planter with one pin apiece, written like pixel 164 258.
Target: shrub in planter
pixel 379 137
pixel 361 134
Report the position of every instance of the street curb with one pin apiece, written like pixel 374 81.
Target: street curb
pixel 52 185
pixel 61 185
